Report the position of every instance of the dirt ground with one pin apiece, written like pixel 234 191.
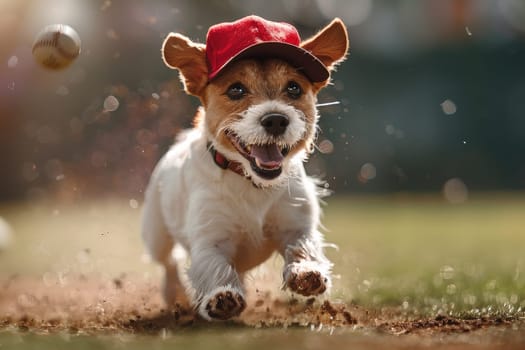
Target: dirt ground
pixel 83 305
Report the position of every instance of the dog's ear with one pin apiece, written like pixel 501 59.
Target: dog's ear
pixel 179 52
pixel 330 44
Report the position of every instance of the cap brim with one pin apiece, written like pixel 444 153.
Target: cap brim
pixel 300 58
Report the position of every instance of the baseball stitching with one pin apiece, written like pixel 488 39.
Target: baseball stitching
pixel 54 43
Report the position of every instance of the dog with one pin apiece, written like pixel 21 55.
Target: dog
pixel 233 190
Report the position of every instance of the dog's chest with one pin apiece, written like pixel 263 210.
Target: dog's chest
pixel 248 214
pixel 250 254
pixel 253 244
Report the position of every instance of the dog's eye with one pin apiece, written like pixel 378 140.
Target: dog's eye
pixel 236 91
pixel 294 90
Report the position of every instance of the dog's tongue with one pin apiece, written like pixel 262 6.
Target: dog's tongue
pixel 267 156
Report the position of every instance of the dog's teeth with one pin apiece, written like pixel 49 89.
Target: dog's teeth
pixel 249 148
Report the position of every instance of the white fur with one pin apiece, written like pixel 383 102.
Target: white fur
pixel 250 130
pixel 226 224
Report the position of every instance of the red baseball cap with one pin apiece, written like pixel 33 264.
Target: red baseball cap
pixel 253 36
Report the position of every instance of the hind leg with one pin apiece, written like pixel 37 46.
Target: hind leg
pixel 173 287
pixel 160 245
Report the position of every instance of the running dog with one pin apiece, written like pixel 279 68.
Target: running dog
pixel 233 190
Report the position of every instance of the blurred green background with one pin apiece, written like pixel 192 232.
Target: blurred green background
pixel 432 95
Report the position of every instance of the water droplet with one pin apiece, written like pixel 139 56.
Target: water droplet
pixel 326 146
pixel 12 62
pixel 491 285
pixel 447 272
pixel 451 289
pixel 364 286
pixel 448 107
pixel 467 30
pixel 455 191
pixel 111 104
pixel 367 172
pixel 133 203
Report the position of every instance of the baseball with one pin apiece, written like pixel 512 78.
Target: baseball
pixel 56 46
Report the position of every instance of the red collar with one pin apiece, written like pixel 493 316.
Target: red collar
pixel 223 162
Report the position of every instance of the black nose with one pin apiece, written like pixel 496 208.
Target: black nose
pixel 275 124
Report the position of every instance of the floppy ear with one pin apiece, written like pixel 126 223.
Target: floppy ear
pixel 329 45
pixel 179 52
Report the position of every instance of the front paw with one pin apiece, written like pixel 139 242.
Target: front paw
pixel 307 283
pixel 222 304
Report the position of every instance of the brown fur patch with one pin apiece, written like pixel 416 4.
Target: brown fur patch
pixel 265 80
pixel 189 58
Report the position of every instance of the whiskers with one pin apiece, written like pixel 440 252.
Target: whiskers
pixel 228 126
pixel 326 104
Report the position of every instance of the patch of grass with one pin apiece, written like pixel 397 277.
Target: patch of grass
pixel 91 237
pixel 425 256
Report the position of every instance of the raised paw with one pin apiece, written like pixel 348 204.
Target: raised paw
pixel 223 305
pixel 307 283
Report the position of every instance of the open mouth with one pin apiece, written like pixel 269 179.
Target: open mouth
pixel 265 159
